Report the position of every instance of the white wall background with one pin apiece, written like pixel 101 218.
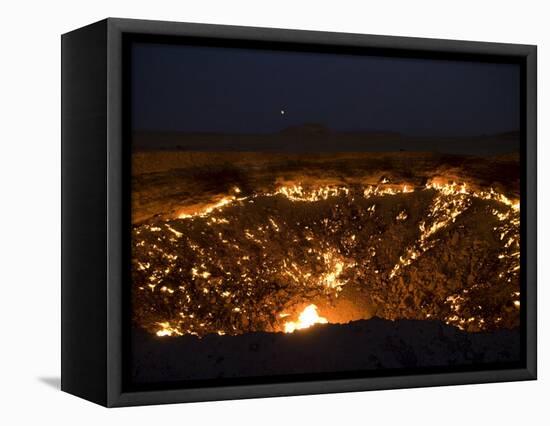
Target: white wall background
pixel 30 210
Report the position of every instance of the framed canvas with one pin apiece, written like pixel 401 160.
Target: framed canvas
pixel 252 212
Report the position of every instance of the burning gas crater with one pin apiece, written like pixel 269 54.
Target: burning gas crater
pixel 285 260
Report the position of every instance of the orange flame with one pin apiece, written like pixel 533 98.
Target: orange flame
pixel 307 318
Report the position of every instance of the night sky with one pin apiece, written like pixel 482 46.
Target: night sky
pixel 234 90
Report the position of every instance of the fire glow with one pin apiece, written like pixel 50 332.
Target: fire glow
pixel 306 319
pixel 214 269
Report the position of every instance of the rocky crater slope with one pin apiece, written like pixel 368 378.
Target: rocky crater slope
pixel 232 244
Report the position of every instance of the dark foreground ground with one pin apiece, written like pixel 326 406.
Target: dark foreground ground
pixel 374 344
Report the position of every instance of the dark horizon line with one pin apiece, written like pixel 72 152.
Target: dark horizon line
pixel 329 131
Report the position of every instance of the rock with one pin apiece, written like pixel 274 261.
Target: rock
pixel 454 239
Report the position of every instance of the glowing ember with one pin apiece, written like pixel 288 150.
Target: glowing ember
pixel 206 210
pixel 298 193
pixel 167 330
pixel 306 319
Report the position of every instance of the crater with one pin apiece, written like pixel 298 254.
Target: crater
pixel 297 250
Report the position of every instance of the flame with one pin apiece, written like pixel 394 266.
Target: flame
pixel 167 330
pixel 299 193
pixel 307 318
pixel 206 210
pixel 331 279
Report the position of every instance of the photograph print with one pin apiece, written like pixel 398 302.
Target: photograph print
pixel 312 214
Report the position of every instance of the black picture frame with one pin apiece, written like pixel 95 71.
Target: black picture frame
pixel 95 206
